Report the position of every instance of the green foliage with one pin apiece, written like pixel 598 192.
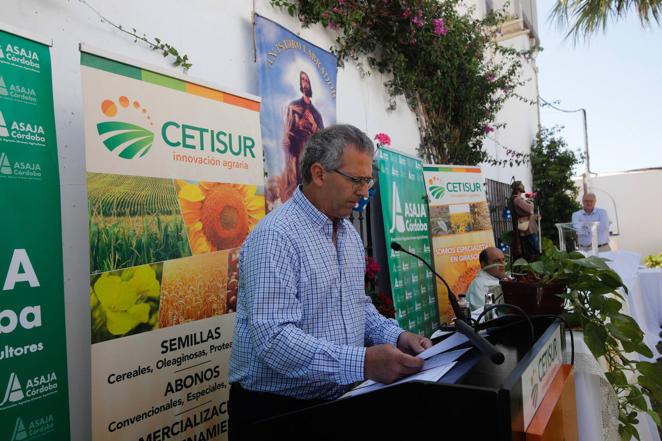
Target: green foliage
pixel 166 49
pixel 551 165
pixel 586 17
pixel 593 302
pixel 449 66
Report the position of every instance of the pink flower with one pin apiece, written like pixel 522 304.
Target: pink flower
pixel 341 2
pixel 439 27
pixel 488 129
pixel 371 268
pixel 491 77
pixel 418 20
pixel 406 14
pixel 383 139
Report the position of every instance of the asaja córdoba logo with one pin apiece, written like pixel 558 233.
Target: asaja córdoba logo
pixel 125 139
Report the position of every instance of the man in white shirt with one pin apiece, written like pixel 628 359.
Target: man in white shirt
pixel 590 213
pixel 492 270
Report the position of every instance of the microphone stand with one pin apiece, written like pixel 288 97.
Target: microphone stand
pixel 462 323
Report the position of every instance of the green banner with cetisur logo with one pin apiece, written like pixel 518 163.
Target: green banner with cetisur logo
pixel 405 214
pixel 33 365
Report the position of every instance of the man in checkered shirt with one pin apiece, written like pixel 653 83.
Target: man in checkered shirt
pixel 306 331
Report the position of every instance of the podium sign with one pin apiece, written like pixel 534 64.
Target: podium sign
pixel 538 376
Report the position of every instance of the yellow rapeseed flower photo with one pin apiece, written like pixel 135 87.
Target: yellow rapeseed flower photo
pixel 124 298
pixel 218 216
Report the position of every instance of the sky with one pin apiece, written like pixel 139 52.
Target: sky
pixel 617 77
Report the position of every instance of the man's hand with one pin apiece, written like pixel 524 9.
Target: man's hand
pixel 413 344
pixel 386 363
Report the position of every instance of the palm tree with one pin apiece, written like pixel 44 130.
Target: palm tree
pixel 585 17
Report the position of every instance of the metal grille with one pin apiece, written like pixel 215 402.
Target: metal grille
pixel 360 222
pixel 497 199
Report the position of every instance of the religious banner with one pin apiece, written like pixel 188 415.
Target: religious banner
pixel 460 227
pixel 298 90
pixel 405 215
pixel 175 184
pixel 34 400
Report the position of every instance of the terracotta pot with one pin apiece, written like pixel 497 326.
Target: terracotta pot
pixel 534 298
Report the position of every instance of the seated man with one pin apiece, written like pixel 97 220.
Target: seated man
pixel 492 270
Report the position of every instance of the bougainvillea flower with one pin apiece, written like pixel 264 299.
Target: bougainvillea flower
pixel 439 27
pixel 383 139
pixel 418 19
pixel 122 297
pixel 371 268
pixel 219 216
pixel 488 129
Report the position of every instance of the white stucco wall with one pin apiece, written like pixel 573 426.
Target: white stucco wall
pixel 218 38
pixel 631 201
pixel 522 121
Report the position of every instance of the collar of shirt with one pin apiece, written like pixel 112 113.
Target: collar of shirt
pixel 318 218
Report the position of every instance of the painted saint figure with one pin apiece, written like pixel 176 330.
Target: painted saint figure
pixel 303 119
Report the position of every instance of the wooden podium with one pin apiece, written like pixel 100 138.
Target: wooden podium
pixel 522 399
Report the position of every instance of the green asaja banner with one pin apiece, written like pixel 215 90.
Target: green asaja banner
pixel 33 365
pixel 405 214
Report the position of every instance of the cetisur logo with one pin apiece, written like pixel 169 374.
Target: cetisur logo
pixel 436 187
pixel 126 139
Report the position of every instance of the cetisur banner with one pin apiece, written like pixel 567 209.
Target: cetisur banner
pixel 33 356
pixel 175 184
pixel 298 90
pixel 460 227
pixel 405 214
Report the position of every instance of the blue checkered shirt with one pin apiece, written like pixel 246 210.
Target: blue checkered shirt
pixel 303 319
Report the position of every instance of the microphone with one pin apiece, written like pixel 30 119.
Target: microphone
pixel 462 323
pixel 459 313
pixel 483 345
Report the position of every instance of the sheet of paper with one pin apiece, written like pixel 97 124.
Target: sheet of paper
pixel 442 359
pixel 429 370
pixel 433 374
pixel 444 345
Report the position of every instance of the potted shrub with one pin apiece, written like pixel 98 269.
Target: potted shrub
pixel 592 301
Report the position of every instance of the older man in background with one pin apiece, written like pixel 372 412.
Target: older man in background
pixel 589 213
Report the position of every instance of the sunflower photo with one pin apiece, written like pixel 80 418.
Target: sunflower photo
pixel 194 288
pixel 460 218
pixel 219 216
pixel 133 220
pixel 125 302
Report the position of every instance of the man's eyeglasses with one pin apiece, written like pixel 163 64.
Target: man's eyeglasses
pixel 358 182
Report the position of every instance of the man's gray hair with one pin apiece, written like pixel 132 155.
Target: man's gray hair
pixel 327 146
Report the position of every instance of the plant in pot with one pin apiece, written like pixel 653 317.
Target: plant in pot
pixel 591 296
